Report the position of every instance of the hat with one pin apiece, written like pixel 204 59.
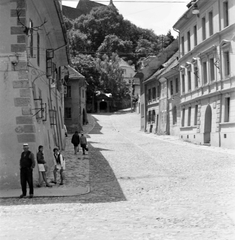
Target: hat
pixel 25 144
pixel 56 148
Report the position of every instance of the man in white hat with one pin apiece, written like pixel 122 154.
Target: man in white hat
pixel 27 163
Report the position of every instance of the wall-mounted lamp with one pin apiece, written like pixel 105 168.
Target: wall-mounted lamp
pixel 195 9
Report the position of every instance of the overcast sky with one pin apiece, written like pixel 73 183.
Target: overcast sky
pixel 160 17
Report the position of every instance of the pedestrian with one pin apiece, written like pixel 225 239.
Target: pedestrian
pixel 83 141
pixel 27 163
pixel 59 166
pixel 75 141
pixel 42 166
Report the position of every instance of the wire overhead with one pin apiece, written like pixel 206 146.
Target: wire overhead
pixel 132 1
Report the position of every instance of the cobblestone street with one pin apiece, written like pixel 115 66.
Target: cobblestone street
pixel 142 187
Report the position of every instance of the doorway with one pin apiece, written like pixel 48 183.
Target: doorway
pixel 207 128
pixel 103 106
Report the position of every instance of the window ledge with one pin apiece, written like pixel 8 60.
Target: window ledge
pixel 227 124
pixel 227 77
pixel 188 128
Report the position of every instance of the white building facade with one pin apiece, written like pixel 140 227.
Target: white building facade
pixel 207 54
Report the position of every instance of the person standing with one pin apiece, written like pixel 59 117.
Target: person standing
pixel 59 166
pixel 75 141
pixel 83 141
pixel 42 166
pixel 27 163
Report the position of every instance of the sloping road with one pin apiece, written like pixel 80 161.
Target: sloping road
pixel 142 187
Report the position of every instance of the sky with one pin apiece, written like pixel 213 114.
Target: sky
pixel 160 16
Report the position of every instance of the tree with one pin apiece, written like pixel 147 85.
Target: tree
pixel 112 43
pixel 99 39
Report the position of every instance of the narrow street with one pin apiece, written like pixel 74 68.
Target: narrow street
pixel 142 187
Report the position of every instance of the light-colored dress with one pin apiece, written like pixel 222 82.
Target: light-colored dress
pixel 41 167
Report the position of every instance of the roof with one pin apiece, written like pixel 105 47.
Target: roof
pixel 74 74
pixel 84 7
pixel 52 12
pixel 158 62
pixel 166 67
pixel 187 14
pixel 71 13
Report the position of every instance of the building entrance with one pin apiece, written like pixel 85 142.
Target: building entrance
pixel 207 128
pixel 103 106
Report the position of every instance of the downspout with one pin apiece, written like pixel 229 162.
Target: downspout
pixel 176 30
pixel 220 73
pixel 145 107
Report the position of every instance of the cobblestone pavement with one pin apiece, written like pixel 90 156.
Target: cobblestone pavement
pixel 143 187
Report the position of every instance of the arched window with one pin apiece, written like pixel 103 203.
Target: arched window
pixel 174 113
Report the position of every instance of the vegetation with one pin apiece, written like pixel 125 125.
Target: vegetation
pixel 98 40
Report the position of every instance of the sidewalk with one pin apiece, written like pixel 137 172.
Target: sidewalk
pixel 76 173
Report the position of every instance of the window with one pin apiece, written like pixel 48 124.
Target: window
pixel 153 116
pixel 176 85
pixel 31 38
pixel 203 28
pixel 226 18
pixel 188 39
pixel 196 75
pixel 171 88
pixel 227 109
pixel 189 80
pixel 68 113
pixel 69 91
pixel 226 63
pixel 83 93
pixel 195 35
pixel 174 113
pixel 149 116
pixel 183 117
pixel 154 93
pixel 183 83
pixel 196 114
pixel 211 23
pixel 149 95
pixel 182 45
pixel 189 116
pixel 212 69
pixel 158 90
pixel 38 49
pixel 204 69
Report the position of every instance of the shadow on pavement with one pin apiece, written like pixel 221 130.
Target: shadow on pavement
pixel 104 186
pixel 97 128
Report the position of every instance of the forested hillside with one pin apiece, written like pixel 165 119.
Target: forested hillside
pixel 99 39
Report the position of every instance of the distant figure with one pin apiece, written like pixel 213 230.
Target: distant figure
pixel 65 131
pixel 83 141
pixel 75 141
pixel 42 166
pixel 59 166
pixel 27 163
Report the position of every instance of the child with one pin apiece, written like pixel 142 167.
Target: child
pixel 42 166
pixel 59 166
pixel 83 142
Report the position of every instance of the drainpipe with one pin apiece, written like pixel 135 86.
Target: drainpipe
pixel 220 73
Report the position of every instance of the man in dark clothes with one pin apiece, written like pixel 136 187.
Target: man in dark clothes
pixel 75 141
pixel 27 163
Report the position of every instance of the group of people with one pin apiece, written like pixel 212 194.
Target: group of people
pixel 27 164
pixel 76 140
